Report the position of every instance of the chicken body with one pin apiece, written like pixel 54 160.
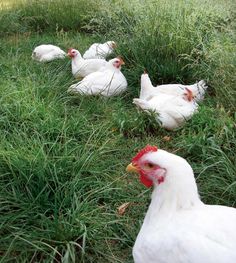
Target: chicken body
pixel 83 67
pixel 109 81
pixel 172 109
pixel 202 233
pixel 148 90
pixel 98 50
pixel 46 53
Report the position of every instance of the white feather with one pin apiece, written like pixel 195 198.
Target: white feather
pixel 83 67
pixel 107 82
pixel 46 53
pixel 178 226
pixel 171 109
pixel 98 50
pixel 147 89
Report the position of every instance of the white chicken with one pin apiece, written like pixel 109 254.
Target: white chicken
pixel 83 67
pixel 178 226
pixel 107 82
pixel 46 53
pixel 147 89
pixel 172 110
pixel 98 50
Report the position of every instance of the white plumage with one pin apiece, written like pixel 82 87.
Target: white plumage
pixel 107 82
pixel 98 50
pixel 178 226
pixel 83 67
pixel 172 109
pixel 46 53
pixel 198 89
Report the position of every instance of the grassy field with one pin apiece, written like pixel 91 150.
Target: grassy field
pixel 63 157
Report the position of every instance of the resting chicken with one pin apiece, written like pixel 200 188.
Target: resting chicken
pixel 83 67
pixel 46 53
pixel 98 50
pixel 173 104
pixel 108 81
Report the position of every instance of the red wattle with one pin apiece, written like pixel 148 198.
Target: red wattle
pixel 161 179
pixel 147 182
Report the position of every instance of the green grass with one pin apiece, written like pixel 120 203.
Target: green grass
pixel 25 15
pixel 63 157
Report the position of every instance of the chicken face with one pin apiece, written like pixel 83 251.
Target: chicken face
pixel 188 95
pixel 118 62
pixel 72 52
pixel 149 171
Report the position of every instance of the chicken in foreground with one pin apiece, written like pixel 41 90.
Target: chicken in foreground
pixel 98 50
pixel 178 226
pixel 109 81
pixel 46 53
pixel 83 67
pixel 172 109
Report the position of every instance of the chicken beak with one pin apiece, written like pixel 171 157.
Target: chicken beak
pixel 132 169
pixel 121 61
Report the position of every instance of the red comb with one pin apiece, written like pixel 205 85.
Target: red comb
pixel 145 150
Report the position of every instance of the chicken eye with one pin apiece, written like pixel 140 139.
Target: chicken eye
pixel 149 165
